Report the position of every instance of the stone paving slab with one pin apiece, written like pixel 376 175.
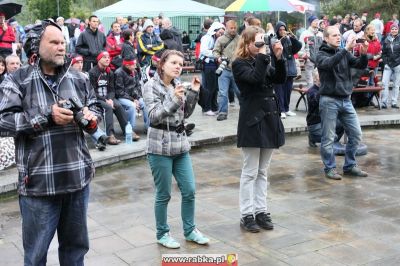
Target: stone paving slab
pixel 317 221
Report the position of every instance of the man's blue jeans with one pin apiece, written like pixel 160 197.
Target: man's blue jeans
pixel 42 216
pixel 225 82
pixel 162 168
pixel 332 109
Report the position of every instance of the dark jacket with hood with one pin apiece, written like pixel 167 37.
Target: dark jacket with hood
pixel 90 44
pixel 259 125
pixel 291 46
pixel 334 70
pixel 391 51
pixel 128 51
pixel 167 36
pixel 176 36
pixel 127 84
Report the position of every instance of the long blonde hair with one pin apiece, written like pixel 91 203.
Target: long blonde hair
pixel 248 36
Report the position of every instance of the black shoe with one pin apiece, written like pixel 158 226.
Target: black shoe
pixel 249 224
pixel 189 126
pixel 222 116
pixel 395 106
pixel 311 143
pixel 264 221
pixel 102 143
pixel 384 106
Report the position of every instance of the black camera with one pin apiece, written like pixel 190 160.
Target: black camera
pixel 222 66
pixel 75 105
pixel 267 40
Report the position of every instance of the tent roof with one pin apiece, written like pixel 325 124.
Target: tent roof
pixel 152 8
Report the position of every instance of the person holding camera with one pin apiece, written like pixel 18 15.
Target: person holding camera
pixel 291 46
pixel 53 160
pixel 208 76
pixel 224 49
pixel 169 103
pixel 335 103
pixel 260 129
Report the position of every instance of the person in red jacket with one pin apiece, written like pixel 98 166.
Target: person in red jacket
pixel 114 44
pixel 374 52
pixel 7 37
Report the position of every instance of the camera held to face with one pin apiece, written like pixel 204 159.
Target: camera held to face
pixel 267 40
pixel 75 105
pixel 222 66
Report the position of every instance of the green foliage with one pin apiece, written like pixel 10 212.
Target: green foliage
pixel 42 9
pixel 342 7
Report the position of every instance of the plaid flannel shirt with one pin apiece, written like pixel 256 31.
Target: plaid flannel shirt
pixel 166 109
pixel 51 159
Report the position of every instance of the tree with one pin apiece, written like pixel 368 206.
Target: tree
pixel 42 9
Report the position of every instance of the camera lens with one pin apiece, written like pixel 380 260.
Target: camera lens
pixel 259 44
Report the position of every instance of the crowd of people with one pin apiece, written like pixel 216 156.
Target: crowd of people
pixel 53 100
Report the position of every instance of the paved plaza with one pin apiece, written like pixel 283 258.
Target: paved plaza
pixel 355 221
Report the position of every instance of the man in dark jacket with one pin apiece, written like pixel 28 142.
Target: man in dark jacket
pixel 336 87
pixel 128 51
pixel 173 32
pixel 54 163
pixel 102 80
pixel 291 46
pixel 90 43
pixel 129 93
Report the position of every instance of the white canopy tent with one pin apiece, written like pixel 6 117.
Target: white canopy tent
pixel 152 8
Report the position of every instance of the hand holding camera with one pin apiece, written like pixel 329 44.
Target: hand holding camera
pixel 60 115
pixel 277 48
pixel 196 84
pixel 73 110
pixel 180 91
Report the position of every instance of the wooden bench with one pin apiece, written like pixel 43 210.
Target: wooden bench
pixel 188 68
pixel 374 90
pixel 303 92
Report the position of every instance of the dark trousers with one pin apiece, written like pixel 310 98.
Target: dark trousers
pixel 119 112
pixel 283 92
pixel 210 90
pixel 43 216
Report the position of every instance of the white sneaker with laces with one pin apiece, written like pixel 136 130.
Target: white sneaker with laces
pixel 283 115
pixel 290 113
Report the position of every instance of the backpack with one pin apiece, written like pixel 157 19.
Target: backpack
pixel 314 42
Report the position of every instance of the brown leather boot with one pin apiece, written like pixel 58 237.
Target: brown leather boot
pixel 112 140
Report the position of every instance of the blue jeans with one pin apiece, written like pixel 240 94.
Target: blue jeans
pixel 97 134
pixel 131 110
pixel 333 109
pixel 387 74
pixel 315 132
pixel 162 168
pixel 42 216
pixel 225 83
pixel 283 92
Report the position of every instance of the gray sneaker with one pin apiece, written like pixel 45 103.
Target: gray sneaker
pixel 333 174
pixel 356 171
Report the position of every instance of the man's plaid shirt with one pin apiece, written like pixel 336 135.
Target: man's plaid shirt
pixel 51 159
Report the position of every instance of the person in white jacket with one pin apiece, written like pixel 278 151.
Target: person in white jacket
pixel 60 22
pixel 209 78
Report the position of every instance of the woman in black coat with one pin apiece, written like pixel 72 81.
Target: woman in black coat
pixel 260 128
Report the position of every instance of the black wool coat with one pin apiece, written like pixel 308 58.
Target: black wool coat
pixel 259 123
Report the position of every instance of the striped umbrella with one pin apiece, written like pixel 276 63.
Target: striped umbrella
pixel 260 5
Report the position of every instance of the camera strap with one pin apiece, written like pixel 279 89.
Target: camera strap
pixel 227 43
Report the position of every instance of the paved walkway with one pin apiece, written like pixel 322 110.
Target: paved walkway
pixel 355 221
pixel 210 131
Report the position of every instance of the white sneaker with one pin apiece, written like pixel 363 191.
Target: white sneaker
pixel 283 115
pixel 209 113
pixel 290 113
